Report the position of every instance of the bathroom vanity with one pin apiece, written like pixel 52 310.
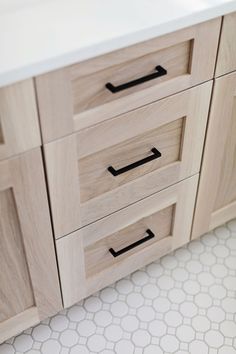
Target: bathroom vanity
pixel 112 157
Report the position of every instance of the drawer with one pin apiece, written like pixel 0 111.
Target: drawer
pixel 227 50
pixel 79 96
pixel 19 128
pixel 109 249
pixel 104 168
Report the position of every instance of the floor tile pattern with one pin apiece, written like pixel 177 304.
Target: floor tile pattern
pixel 183 303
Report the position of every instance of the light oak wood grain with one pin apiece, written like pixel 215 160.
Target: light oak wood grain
pixel 54 94
pixel 75 97
pixel 217 189
pixel 85 263
pixel 19 127
pixel 16 291
pixel 226 61
pixel 85 129
pixel 18 323
pixel 72 270
pixel 94 177
pixel 128 193
pixel 90 92
pixel 82 190
pixel 29 276
pixel 63 181
pixel 97 256
pixel 223 214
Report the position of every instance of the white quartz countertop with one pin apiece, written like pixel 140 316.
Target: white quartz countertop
pixel 37 36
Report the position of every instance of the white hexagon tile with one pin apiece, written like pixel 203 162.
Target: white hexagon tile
pixel 183 303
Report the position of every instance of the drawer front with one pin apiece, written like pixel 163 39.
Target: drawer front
pixel 78 96
pixel 148 149
pixel 19 128
pixel 227 51
pixel 141 232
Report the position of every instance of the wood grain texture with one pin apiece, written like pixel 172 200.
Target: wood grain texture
pixel 16 294
pixel 18 323
pixel 75 97
pixel 217 188
pixel 77 165
pixel 19 127
pixel 168 212
pixel 54 94
pixel 136 261
pixel 226 192
pixel 72 269
pixel 226 61
pixel 90 91
pixel 219 216
pixel 128 193
pixel 94 177
pixel 97 256
pixel 25 217
pixel 63 182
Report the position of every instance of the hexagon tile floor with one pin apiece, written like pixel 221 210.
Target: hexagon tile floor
pixel 183 303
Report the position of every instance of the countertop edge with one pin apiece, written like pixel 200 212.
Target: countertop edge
pixel 85 53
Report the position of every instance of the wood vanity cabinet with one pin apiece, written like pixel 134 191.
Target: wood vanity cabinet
pixel 216 201
pixel 122 142
pixel 123 137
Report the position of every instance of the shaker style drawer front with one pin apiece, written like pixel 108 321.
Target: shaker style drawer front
pixel 117 245
pixel 104 168
pixel 227 51
pixel 19 128
pixel 87 93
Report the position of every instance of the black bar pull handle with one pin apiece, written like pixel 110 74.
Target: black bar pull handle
pixel 150 235
pixel 160 71
pixel 156 155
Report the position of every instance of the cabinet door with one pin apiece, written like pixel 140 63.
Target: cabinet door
pixel 29 288
pixel 216 202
